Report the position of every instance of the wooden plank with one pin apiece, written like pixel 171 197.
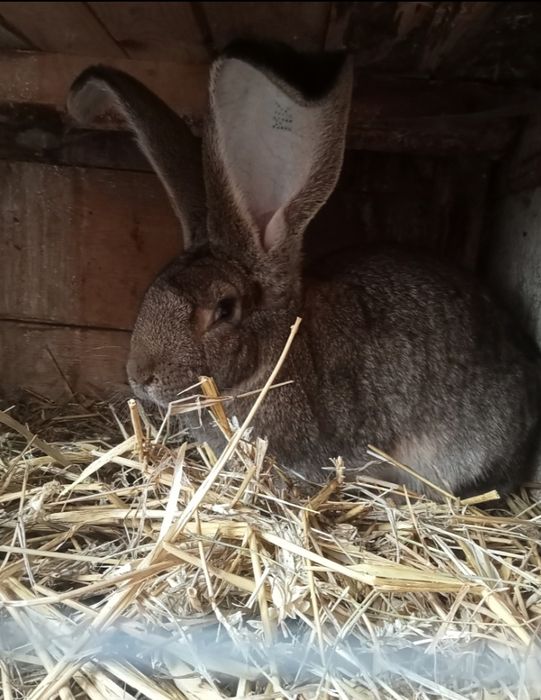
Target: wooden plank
pixel 11 39
pixel 433 139
pixel 154 30
pixel 432 117
pixel 67 27
pixel 302 25
pixel 45 79
pixel 80 246
pixel 421 201
pixel 55 361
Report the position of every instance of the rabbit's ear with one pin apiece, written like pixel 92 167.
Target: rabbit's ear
pixel 275 141
pixel 167 142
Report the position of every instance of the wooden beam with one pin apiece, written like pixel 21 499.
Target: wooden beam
pixel 439 138
pixel 45 78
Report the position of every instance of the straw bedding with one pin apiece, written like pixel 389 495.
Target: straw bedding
pixel 137 565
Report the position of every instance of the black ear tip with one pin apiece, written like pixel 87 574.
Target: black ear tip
pixel 312 73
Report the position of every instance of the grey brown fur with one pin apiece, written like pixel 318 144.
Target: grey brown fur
pixel 394 349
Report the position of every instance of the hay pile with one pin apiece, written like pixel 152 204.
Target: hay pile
pixel 135 565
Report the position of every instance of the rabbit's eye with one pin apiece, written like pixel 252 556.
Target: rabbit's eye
pixel 225 310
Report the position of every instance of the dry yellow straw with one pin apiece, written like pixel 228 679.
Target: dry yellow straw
pixel 58 677
pixel 252 566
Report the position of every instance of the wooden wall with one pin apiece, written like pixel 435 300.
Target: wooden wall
pixel 85 225
pixel 78 247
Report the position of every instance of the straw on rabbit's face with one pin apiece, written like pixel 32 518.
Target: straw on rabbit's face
pixel 194 321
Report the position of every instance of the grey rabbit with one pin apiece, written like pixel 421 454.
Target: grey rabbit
pixel 394 349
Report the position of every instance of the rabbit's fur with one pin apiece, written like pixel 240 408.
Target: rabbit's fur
pixel 395 350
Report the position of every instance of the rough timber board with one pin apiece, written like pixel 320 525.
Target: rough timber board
pixel 80 246
pixel 154 30
pixel 55 361
pixel 45 78
pixel 9 40
pixel 68 27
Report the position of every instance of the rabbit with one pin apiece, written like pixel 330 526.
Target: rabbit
pixel 395 349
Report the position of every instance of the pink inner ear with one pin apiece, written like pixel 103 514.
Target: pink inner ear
pixel 262 221
pixel 268 140
pixel 270 228
pixel 274 232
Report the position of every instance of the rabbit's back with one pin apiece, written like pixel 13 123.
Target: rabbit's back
pixel 416 358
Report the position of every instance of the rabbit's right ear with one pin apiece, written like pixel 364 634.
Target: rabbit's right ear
pixel 167 142
pixel 273 148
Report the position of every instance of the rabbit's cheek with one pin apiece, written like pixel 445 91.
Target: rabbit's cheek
pixel 230 355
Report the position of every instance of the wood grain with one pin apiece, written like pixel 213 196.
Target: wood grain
pixel 11 40
pixel 61 27
pixel 45 78
pixel 80 246
pixel 154 30
pixel 56 361
pixel 419 201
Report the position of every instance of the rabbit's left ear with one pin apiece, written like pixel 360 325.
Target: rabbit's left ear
pixel 274 143
pixel 162 135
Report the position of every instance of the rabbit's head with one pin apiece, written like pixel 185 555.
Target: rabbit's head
pixel 271 154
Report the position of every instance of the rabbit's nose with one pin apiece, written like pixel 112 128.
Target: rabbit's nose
pixel 148 379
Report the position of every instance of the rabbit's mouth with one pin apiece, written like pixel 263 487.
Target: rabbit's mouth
pixel 152 382
pixel 154 392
